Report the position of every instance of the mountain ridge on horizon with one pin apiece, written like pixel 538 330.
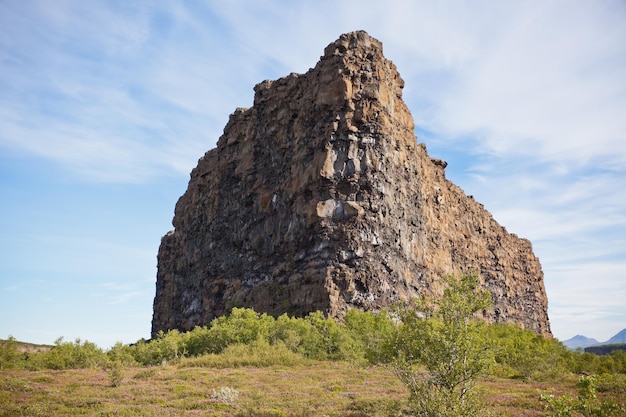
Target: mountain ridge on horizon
pixel 581 341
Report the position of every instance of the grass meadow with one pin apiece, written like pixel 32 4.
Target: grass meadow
pixel 394 363
pixel 314 388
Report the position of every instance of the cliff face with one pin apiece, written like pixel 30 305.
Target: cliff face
pixel 320 198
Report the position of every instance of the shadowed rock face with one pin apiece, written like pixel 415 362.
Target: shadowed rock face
pixel 320 198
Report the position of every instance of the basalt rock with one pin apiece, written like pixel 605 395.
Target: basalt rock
pixel 319 197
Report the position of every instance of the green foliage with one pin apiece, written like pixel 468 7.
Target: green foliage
pixel 586 404
pixel 606 349
pixel 163 348
pixel 520 353
pixel 314 337
pixel 258 354
pixel 122 354
pixel 439 351
pixel 612 383
pixel 324 338
pixel 241 326
pixel 68 355
pixel 10 356
pixel 369 332
pixel 115 372
pixel 613 363
pixel 292 332
pixel 424 347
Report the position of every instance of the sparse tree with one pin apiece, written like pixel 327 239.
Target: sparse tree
pixel 439 351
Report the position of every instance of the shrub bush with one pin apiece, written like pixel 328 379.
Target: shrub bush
pixel 259 354
pixel 163 348
pixel 438 351
pixel 122 354
pixel 68 355
pixel 520 353
pixel 586 404
pixel 10 356
pixel 241 326
pixel 368 332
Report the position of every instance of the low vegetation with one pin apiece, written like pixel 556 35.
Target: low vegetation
pixel 606 349
pixel 431 360
pixel 437 351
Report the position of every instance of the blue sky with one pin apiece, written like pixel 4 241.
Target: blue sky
pixel 106 106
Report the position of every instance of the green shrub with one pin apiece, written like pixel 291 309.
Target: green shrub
pixel 123 354
pixel 163 348
pixel 612 383
pixel 524 354
pixel 368 332
pixel 292 332
pixel 438 351
pixel 259 354
pixel 589 363
pixel 115 373
pixel 197 341
pixel 10 356
pixel 241 326
pixel 324 338
pixel 586 404
pixel 68 355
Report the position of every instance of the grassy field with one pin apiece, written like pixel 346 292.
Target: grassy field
pixel 252 365
pixel 317 389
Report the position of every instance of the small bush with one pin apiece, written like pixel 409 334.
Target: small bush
pixel 369 332
pixel 438 352
pixel 520 353
pixel 123 354
pixel 586 404
pixel 10 356
pixel 225 394
pixel 15 384
pixel 613 383
pixel 259 353
pixel 68 355
pixel 115 373
pixel 145 374
pixel 241 326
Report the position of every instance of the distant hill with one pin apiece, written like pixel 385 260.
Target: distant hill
pixel 618 338
pixel 27 347
pixel 580 341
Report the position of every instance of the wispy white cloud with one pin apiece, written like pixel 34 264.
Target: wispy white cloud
pixel 81 91
pixel 116 293
pixel 514 78
pixel 550 84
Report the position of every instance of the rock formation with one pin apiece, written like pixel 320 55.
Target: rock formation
pixel 319 197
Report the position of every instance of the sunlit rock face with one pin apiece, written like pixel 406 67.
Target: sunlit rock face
pixel 319 197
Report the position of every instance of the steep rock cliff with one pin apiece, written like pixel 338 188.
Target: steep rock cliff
pixel 319 197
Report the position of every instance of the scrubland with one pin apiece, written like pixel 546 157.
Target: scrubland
pixel 431 360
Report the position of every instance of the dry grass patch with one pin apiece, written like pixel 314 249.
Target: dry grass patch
pixel 330 389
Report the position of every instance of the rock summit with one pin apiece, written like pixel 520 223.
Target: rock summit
pixel 319 197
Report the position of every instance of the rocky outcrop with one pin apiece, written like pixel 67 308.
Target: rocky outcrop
pixel 319 197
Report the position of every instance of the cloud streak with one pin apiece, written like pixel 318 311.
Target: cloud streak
pixel 92 100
